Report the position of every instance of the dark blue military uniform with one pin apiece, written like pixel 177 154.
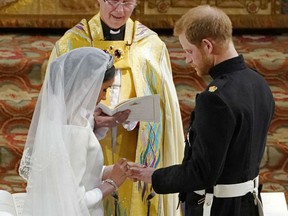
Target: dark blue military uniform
pixel 226 140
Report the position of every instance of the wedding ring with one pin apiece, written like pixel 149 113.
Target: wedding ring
pixel 117 122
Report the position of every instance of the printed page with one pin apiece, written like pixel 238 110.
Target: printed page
pixel 19 199
pixel 274 204
pixel 105 109
pixel 146 108
pixel 7 207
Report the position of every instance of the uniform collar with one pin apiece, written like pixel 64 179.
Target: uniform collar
pixel 228 66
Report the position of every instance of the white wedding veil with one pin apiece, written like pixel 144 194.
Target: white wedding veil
pixel 68 97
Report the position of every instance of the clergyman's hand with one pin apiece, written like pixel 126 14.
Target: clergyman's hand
pixel 103 120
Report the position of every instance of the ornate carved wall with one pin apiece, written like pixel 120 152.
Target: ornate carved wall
pixel 153 13
pixel 244 13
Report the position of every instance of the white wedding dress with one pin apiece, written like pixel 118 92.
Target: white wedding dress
pixel 63 160
pixel 86 159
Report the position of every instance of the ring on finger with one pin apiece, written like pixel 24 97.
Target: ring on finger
pixel 117 122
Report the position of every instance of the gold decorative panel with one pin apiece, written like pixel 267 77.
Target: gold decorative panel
pixel 153 13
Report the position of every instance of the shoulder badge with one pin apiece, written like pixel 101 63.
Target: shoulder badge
pixel 212 88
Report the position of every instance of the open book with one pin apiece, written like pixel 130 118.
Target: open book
pixel 11 204
pixel 145 108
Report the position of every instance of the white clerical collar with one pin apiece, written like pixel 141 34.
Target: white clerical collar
pixel 114 32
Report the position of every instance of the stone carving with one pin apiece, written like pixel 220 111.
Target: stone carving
pixel 152 13
pixel 76 5
pixel 250 6
pixel 162 6
pixel 6 2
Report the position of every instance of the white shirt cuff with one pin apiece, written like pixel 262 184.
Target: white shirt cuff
pixel 93 197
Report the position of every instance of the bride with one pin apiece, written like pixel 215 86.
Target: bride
pixel 63 160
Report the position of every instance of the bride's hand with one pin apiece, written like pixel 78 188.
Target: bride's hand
pixel 118 173
pixel 103 120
